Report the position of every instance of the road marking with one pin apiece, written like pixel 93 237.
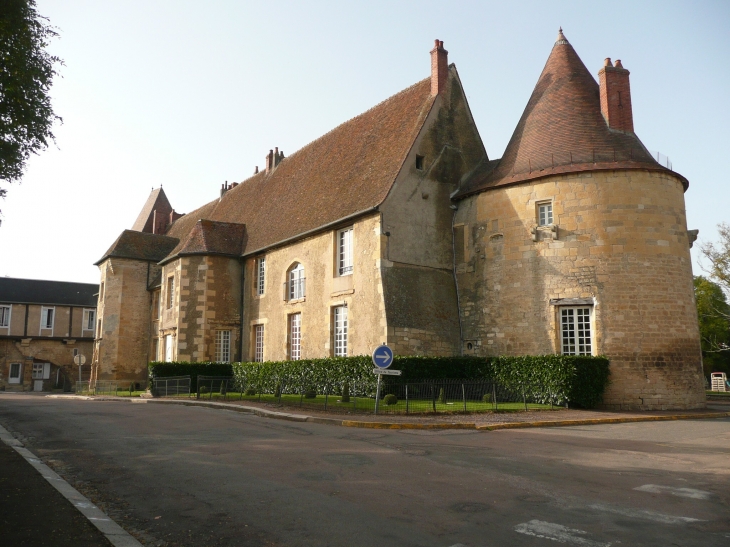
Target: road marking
pixel 681 492
pixel 116 535
pixel 644 514
pixel 557 532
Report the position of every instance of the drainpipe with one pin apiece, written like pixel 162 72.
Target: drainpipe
pixel 243 289
pixel 454 208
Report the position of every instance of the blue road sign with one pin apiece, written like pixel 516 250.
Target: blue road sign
pixel 383 356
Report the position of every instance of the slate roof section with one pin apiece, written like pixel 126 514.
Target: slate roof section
pixel 140 246
pixel 209 237
pixel 562 130
pixel 156 201
pixel 347 171
pixel 56 293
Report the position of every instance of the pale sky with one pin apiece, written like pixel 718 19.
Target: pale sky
pixel 190 94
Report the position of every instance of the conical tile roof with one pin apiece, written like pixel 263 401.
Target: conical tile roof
pixel 562 130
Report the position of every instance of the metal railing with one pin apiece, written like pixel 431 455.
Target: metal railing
pixel 172 386
pixel 427 396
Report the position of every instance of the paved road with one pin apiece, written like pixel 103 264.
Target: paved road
pixel 174 475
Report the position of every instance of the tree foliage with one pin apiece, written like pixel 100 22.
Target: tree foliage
pixel 713 314
pixel 26 75
pixel 718 254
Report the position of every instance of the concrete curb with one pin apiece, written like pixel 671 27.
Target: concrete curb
pixel 395 425
pixel 117 535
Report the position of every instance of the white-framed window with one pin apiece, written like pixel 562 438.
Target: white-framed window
pixel 4 316
pixel 295 336
pixel 47 316
pixel 89 319
pixel 296 282
pixel 170 291
pixel 258 343
pixel 156 305
pixel 344 251
pixel 168 348
pixel 223 346
pixel 545 213
pixel 14 375
pixel 260 275
pixel 340 331
pixel 575 330
pixel 41 371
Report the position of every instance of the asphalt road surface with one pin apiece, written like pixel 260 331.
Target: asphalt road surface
pixel 175 475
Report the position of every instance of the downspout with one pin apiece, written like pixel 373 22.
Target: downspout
pixel 454 208
pixel 150 299
pixel 243 288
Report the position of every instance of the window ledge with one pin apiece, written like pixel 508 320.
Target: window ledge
pixel 342 293
pixel 297 300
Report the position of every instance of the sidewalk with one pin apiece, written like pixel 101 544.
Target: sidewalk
pixel 486 421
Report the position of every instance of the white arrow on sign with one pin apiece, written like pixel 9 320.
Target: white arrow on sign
pixel 383 356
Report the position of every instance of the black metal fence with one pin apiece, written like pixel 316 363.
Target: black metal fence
pixel 427 396
pixel 172 386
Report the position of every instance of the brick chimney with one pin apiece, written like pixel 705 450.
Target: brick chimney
pixel 439 68
pixel 616 96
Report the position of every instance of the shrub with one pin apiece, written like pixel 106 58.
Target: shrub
pixel 390 399
pixel 442 397
pixel 487 398
pixel 345 393
pixel 310 394
pixel 203 389
pixel 250 390
pixel 277 391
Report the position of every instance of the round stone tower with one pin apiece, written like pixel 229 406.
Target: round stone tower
pixel 577 242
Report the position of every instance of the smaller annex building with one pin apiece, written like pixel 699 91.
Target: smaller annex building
pixel 43 325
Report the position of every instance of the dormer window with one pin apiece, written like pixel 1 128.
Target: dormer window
pixel 419 163
pixel 296 282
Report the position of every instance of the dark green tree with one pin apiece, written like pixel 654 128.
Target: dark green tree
pixel 26 75
pixel 713 313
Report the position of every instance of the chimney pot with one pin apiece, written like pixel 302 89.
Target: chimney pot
pixel 608 62
pixel 615 93
pixel 439 67
pixel 256 171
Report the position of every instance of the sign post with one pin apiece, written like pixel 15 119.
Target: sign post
pixel 382 359
pixel 79 359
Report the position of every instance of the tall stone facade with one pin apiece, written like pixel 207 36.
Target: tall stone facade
pixel 396 227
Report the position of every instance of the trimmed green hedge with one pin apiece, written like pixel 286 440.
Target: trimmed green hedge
pixel 158 369
pixel 580 380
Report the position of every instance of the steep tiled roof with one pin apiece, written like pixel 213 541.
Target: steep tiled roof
pixel 38 291
pixel 562 130
pixel 211 237
pixel 347 171
pixel 156 201
pixel 140 246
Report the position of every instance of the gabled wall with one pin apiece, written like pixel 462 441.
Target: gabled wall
pixel 417 267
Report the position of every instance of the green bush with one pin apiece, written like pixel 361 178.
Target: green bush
pixel 183 368
pixel 250 390
pixel 203 389
pixel 390 399
pixel 487 398
pixel 345 393
pixel 310 394
pixel 442 397
pixel 579 380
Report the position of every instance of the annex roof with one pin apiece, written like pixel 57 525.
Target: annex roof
pixel 157 200
pixel 209 237
pixel 140 246
pixel 39 291
pixel 562 130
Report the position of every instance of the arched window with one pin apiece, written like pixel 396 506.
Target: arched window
pixel 296 282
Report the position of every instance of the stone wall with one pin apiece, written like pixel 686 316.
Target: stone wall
pixel 361 291
pixel 122 348
pixel 621 242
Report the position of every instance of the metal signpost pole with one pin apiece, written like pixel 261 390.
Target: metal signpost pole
pixel 377 394
pixel 382 359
